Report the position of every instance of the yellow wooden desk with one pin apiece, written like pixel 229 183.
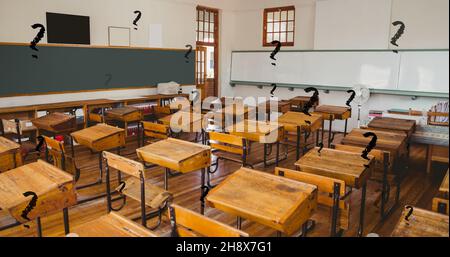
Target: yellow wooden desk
pixel 126 115
pixel 57 123
pixel 10 156
pixel 112 225
pixel 52 190
pixel 282 107
pixel 440 202
pixel 234 113
pixel 279 203
pixel 178 155
pixel 422 223
pixel 345 166
pixel 262 132
pixel 298 102
pixel 298 122
pixel 332 113
pixel 98 138
pixel 186 122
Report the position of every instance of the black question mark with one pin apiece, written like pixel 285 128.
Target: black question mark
pixel 139 14
pixel 410 212
pixel 372 144
pixel 308 122
pixel 188 53
pixel 312 101
pixel 38 37
pixel 399 33
pixel 277 49
pixel 122 186
pixel 321 147
pixel 109 79
pixel 273 89
pixel 30 205
pixel 352 97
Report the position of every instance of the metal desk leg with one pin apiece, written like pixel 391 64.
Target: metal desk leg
pixel 330 133
pixel 39 226
pixel 100 164
pixel 299 132
pixel 166 179
pixel 72 146
pixel 345 129
pixel 361 212
pixel 265 155
pixel 323 130
pixel 239 223
pixel 278 154
pixel 66 220
pixel 317 137
pixel 202 192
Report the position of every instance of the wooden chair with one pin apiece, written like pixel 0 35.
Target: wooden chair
pixel 16 128
pixel 135 187
pixel 160 112
pixel 331 194
pixel 186 223
pixel 440 201
pixel 154 132
pixel 61 159
pixel 230 147
pixel 382 172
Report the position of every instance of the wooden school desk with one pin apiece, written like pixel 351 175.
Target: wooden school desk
pixel 126 115
pixel 332 113
pixel 262 132
pixel 296 122
pixel 422 223
pixel 57 123
pixel 54 190
pixel 111 225
pixel 434 137
pixel 234 113
pixel 279 203
pixel 298 102
pixel 282 107
pixel 178 155
pixel 98 138
pixel 190 123
pixel 10 156
pixel 387 141
pixel 345 166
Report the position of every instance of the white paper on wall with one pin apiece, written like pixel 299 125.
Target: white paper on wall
pixel 119 36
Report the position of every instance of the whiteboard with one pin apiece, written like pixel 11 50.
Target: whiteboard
pixel 377 70
pixel 424 72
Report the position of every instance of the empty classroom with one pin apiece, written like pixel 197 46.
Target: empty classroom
pixel 224 118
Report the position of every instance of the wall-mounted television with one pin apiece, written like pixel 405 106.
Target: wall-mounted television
pixel 68 29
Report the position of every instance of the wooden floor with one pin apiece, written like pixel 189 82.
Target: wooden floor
pixel 418 189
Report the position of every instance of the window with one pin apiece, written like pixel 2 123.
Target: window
pixel 279 24
pixel 206 22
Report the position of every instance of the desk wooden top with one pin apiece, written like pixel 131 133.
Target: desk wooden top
pixel 395 143
pixel 236 110
pixel 291 120
pixel 56 122
pixel 338 112
pixel 444 186
pixel 177 155
pixel 274 201
pixel 112 225
pixel 282 106
pixel 257 131
pixel 122 111
pixel 422 223
pixel 126 114
pixel 300 100
pixel 342 165
pixel 185 123
pixel 54 188
pixel 8 146
pixel 100 137
pixel 385 123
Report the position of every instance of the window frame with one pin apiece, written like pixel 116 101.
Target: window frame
pixel 265 24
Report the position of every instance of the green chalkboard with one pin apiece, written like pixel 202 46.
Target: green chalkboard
pixel 69 68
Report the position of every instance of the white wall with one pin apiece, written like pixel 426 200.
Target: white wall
pixel 248 33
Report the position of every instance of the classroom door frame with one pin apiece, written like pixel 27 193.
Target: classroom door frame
pixel 215 42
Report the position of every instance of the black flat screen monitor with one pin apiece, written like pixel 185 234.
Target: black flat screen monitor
pixel 68 29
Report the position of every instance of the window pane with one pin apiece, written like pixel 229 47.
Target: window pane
pixel 200 15
pixel 276 27
pixel 270 17
pixel 269 27
pixel 201 36
pixel 207 16
pixel 290 37
pixel 283 27
pixel 276 36
pixel 269 37
pixel 284 15
pixel 276 16
pixel 291 26
pixel 211 27
pixel 291 15
pixel 283 37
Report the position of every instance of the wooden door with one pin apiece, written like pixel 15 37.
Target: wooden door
pixel 200 69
